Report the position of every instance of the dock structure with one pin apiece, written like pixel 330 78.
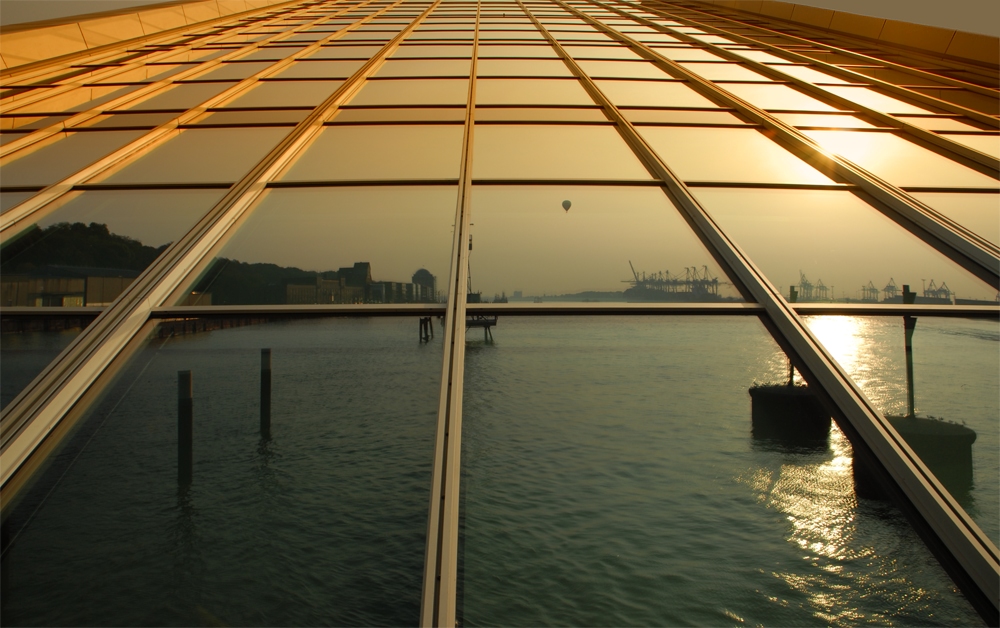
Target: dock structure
pixel 486 322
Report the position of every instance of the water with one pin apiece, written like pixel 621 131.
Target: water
pixel 323 525
pixel 610 478
pixel 24 355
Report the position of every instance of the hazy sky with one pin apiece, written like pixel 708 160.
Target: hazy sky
pixel 976 16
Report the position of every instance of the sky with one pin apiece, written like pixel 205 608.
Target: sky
pixel 974 16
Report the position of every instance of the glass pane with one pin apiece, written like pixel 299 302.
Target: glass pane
pixel 438 67
pixel 610 470
pixel 823 120
pixel 320 69
pixel 728 155
pixel 674 116
pixel 652 94
pixel 381 152
pixel 516 51
pixel 725 72
pixel 271 54
pixel 977 212
pixel 688 54
pixel 433 51
pixel 531 92
pixel 579 114
pixel 522 67
pixel 322 523
pixel 933 123
pixel 776 97
pixel 402 114
pixel 286 117
pixel 761 56
pixel 344 52
pixel 57 160
pixel 285 94
pixel 201 155
pixel 553 152
pixel 413 92
pixel 600 52
pixel 989 144
pixel 231 71
pixel 876 100
pixel 25 351
pixel 331 245
pixel 956 370
pixel 623 69
pixel 833 241
pixel 900 162
pixel 95 244
pixel 181 97
pixel 120 120
pixel 80 99
pixel 809 74
pixel 529 246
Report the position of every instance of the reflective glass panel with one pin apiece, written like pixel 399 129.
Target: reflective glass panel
pixel 323 522
pixel 320 69
pixel 955 427
pixel 80 99
pixel 728 155
pixel 57 160
pixel 433 51
pixel 181 96
pixel 512 151
pixel 674 116
pixel 876 100
pixel 776 97
pixel 688 54
pixel 977 212
pixel 622 69
pixel 531 92
pixel 579 114
pixel 271 54
pixel 725 72
pixel 760 55
pixel 287 117
pixel 343 52
pixel 810 74
pixel 9 200
pixel 91 248
pixel 201 155
pixel 652 94
pixel 900 162
pixel 487 51
pixel 613 474
pixel 129 120
pixel 823 120
pixel 335 245
pixel 230 71
pixel 832 239
pixel 381 152
pixel 938 124
pixel 989 144
pixel 522 67
pixel 438 67
pixel 285 94
pixel 413 92
pixel 529 243
pixel 599 52
pixel 402 114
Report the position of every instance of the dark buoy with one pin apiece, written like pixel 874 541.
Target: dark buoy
pixel 789 415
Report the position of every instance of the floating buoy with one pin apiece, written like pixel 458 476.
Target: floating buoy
pixel 566 205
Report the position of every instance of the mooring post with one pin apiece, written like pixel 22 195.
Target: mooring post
pixel 909 324
pixel 185 428
pixel 265 393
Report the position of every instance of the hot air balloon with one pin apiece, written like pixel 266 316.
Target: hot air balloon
pixel 566 205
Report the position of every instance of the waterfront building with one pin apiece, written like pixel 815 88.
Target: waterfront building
pixel 722 223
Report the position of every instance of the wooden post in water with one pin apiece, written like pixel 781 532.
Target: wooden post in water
pixel 265 393
pixel 185 429
pixel 909 324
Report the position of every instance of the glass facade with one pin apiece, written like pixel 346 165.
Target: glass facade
pixel 452 312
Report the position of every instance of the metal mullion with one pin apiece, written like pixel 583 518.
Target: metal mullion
pixel 147 142
pixel 38 409
pixel 978 255
pixel 979 89
pixel 440 585
pixel 962 539
pixel 821 94
pixel 143 60
pixel 149 91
